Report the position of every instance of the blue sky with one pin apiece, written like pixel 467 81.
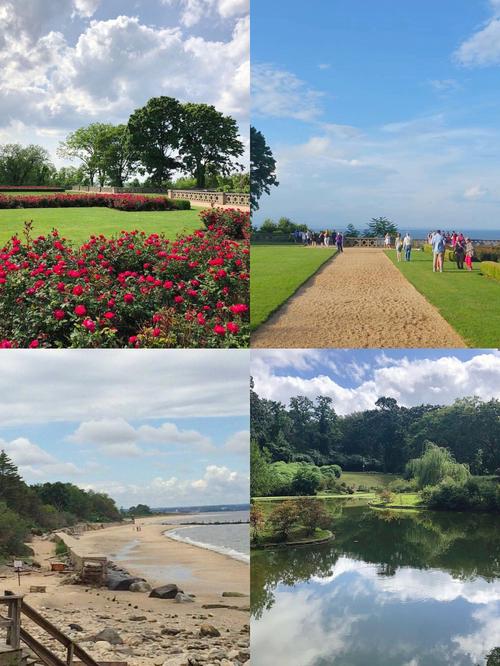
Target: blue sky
pixel 67 63
pixel 355 379
pixel 387 108
pixel 168 428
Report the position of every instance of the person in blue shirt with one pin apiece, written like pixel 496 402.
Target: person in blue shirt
pixel 438 248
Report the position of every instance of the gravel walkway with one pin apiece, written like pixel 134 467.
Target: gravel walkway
pixel 360 299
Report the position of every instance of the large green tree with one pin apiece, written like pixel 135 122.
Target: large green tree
pixel 155 134
pixel 380 226
pixel 262 168
pixel 209 142
pixel 89 145
pixel 25 165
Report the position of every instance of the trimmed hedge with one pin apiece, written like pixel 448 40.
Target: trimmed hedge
pixel 30 188
pixel 127 202
pixel 491 269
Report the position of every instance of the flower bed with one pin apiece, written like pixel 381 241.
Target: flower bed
pixel 130 291
pixel 125 202
pixel 30 188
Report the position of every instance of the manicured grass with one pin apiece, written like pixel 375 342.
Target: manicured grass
pixel 406 500
pixel 368 479
pixel 78 224
pixel 277 273
pixel 469 301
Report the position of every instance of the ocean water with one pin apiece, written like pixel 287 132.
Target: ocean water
pixel 227 537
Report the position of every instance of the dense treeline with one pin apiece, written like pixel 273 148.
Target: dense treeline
pixel 25 509
pixel 383 439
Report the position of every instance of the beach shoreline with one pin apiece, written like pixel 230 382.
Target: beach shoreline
pixel 153 631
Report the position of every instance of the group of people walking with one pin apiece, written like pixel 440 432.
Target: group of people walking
pixel 321 239
pixel 462 247
pixel 402 245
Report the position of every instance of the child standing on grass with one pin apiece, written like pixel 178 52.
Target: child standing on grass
pixel 469 253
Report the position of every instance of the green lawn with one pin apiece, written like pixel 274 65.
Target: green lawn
pixel 78 224
pixel 368 479
pixel 277 272
pixel 470 302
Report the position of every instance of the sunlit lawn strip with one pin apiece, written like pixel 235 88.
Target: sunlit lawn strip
pixel 277 272
pixel 78 224
pixel 470 302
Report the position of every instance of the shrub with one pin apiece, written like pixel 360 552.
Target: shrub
pixel 30 188
pixel 133 290
pixel 232 222
pixel 491 269
pixel 125 202
pixel 313 514
pixel 471 495
pixel 306 481
pixel 284 518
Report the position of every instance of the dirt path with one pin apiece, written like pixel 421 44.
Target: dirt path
pixel 360 299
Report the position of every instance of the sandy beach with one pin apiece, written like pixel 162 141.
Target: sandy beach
pixel 154 631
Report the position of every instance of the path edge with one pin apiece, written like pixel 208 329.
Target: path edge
pixel 300 286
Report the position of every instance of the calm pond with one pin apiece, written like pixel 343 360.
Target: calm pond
pixel 392 589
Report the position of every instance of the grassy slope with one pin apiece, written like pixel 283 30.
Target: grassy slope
pixel 77 224
pixel 470 302
pixel 277 273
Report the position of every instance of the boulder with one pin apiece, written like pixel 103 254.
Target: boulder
pixel 170 631
pixel 110 635
pixel 117 581
pixel 75 627
pixel 234 594
pixel 209 630
pixel 182 598
pixel 140 586
pixel 168 591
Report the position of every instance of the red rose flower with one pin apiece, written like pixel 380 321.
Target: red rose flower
pixel 80 310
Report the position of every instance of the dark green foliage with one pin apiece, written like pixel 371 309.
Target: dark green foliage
pixel 379 227
pixel 25 509
pixel 379 440
pixel 139 510
pixel 262 167
pixel 470 495
pixel 25 165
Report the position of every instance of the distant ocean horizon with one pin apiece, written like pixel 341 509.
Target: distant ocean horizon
pixel 420 233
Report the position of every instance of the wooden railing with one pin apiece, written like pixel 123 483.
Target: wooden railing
pixel 13 621
pixel 17 634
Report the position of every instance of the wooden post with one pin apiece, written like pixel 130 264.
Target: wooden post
pixel 69 656
pixel 14 615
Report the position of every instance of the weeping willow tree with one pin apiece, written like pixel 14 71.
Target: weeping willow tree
pixel 436 464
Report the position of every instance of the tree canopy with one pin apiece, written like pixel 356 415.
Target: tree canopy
pixel 262 167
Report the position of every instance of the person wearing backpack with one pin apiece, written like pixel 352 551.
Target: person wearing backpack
pixel 438 248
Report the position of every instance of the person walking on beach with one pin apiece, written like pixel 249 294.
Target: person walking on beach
pixel 438 248
pixel 340 242
pixel 469 253
pixel 407 246
pixel 459 253
pixel 399 247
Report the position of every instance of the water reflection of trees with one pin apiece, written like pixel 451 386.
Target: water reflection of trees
pixel 463 545
pixel 287 566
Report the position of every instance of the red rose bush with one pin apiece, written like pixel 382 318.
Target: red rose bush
pixel 132 290
pixel 126 202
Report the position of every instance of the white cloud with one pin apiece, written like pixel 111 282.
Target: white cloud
pixel 32 461
pixel 280 94
pixel 475 192
pixel 483 47
pixel 411 382
pixel 239 443
pixel 104 431
pixel 169 434
pixel 193 11
pixel 51 82
pixel 71 385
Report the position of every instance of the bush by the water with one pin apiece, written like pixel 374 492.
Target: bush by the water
pixel 124 202
pixel 299 517
pixel 130 291
pixel 471 495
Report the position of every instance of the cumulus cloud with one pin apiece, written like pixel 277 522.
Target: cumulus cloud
pixel 32 461
pixel 410 381
pixel 483 47
pixel 239 443
pixel 49 81
pixel 68 385
pixel 217 485
pixel 193 11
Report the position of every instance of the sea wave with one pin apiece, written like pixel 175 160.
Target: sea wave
pixel 230 552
